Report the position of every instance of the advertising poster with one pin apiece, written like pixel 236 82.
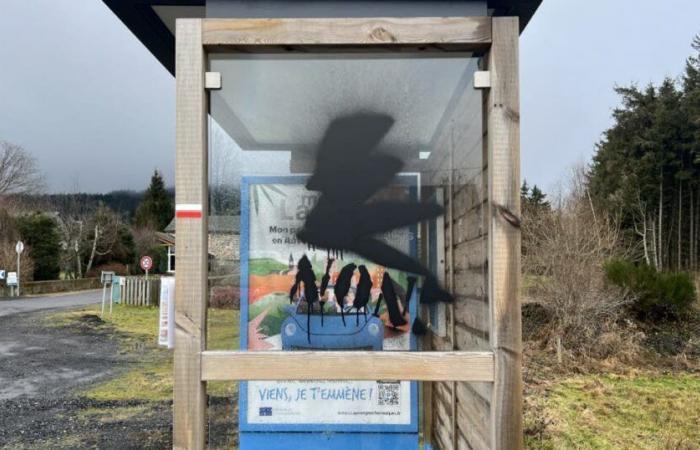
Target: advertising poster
pixel 273 209
pixel 166 322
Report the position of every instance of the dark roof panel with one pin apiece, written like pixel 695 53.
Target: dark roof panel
pixel 524 9
pixel 141 19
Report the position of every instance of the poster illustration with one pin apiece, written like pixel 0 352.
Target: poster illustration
pixel 273 209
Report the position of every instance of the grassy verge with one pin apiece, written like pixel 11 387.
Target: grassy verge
pixel 645 411
pixel 643 408
pixel 151 377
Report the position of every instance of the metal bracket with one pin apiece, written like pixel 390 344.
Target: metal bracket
pixel 212 80
pixel 482 79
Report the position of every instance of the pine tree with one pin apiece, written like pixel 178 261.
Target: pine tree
pixel 156 209
pixel 40 234
pixel 646 169
pixel 533 203
pixel 538 199
pixel 691 106
pixel 524 192
pixel 533 200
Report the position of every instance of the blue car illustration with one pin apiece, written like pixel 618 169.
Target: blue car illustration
pixel 329 332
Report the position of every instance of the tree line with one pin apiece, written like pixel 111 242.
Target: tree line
pixel 646 169
pixel 71 235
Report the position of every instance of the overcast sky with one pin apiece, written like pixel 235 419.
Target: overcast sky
pixel 82 94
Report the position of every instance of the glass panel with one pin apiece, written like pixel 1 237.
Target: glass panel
pixel 344 190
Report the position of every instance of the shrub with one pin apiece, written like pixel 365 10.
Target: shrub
pixel 658 296
pixel 159 254
pixel 567 247
pixel 116 267
pixel 225 297
pixel 567 252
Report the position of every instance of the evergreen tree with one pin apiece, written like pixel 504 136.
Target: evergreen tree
pixel 646 169
pixel 533 203
pixel 538 199
pixel 533 200
pixel 524 192
pixel 156 209
pixel 40 235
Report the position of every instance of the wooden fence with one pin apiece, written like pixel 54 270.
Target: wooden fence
pixel 139 291
pixel 53 286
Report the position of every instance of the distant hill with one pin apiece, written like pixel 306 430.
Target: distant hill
pixel 224 200
pixel 124 202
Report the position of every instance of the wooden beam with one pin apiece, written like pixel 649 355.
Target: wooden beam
pixel 468 32
pixel 345 365
pixel 503 119
pixel 189 402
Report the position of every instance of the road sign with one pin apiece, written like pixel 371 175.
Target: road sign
pixel 2 274
pixel 146 263
pixel 19 248
pixel 106 277
pixel 12 278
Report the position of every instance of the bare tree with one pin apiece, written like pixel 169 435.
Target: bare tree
pixel 568 248
pixel 72 218
pixel 72 231
pixel 224 198
pixel 103 233
pixel 19 172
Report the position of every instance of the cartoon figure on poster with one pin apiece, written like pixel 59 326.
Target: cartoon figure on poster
pixel 305 298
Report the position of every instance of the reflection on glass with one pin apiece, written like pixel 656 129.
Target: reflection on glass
pixel 358 183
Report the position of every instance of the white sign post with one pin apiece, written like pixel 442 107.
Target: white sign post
pixel 19 248
pixel 106 279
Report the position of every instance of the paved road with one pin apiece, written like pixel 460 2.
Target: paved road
pixel 72 299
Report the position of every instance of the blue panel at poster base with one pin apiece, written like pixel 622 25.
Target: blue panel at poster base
pixel 316 436
pixel 329 441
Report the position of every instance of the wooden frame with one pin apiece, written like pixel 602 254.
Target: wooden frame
pixel 498 38
pixel 342 365
pixel 462 32
pixel 503 146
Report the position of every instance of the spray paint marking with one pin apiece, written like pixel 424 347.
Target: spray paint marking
pixel 188 211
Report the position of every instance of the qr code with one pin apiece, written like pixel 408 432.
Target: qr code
pixel 389 393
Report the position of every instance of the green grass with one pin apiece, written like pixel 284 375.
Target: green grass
pixel 615 412
pixel 151 379
pixel 266 266
pixel 581 412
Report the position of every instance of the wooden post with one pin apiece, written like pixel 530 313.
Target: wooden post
pixel 503 119
pixel 189 405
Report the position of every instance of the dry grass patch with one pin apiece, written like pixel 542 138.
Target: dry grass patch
pixel 645 411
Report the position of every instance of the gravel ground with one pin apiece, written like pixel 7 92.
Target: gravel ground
pixel 42 371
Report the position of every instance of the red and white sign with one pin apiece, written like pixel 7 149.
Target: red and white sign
pixel 146 263
pixel 188 210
